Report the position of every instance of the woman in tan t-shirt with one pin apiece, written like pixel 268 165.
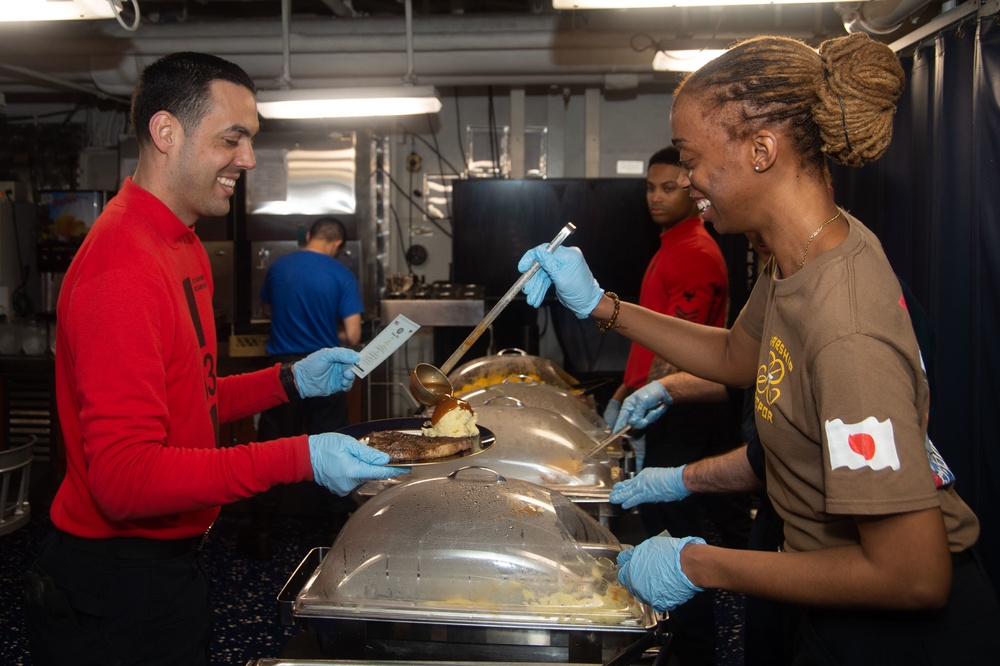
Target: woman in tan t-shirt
pixel 878 558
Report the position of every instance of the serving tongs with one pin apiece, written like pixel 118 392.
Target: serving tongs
pixel 428 384
pixel 607 441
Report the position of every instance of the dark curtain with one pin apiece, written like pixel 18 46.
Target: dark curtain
pixel 933 201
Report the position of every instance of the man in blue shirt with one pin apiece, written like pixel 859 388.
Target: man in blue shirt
pixel 315 303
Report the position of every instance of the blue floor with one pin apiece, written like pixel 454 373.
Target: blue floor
pixel 245 588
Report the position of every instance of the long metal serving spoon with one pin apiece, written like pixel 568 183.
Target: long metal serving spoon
pixel 428 384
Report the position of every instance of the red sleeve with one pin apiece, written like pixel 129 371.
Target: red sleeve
pixel 247 394
pixel 141 437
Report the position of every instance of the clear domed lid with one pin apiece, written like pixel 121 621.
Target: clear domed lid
pixel 476 548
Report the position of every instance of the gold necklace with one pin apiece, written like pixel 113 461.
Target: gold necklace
pixel 813 237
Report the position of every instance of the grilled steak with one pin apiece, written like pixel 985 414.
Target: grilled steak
pixel 404 447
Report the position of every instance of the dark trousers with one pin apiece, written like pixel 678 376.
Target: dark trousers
pixel 122 606
pixel 964 632
pixel 309 416
pixel 705 626
pixel 768 623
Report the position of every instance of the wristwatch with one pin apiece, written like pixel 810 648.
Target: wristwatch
pixel 288 381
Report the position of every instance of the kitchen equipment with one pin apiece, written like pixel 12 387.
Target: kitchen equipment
pixel 15 475
pixel 34 338
pixel 512 362
pixel 540 447
pixel 429 385
pixel 606 442
pixel 575 407
pixel 504 567
pixel 413 425
pixel 433 391
pixel 10 337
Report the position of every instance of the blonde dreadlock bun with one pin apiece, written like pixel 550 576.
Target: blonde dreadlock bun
pixel 857 98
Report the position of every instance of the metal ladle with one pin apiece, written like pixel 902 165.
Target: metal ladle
pixel 428 384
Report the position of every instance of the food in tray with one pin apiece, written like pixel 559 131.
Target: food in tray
pixel 498 378
pixel 451 431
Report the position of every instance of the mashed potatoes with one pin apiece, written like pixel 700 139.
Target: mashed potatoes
pixel 452 417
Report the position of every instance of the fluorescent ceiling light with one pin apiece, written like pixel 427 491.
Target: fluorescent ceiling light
pixel 684 61
pixel 56 10
pixel 651 4
pixel 348 102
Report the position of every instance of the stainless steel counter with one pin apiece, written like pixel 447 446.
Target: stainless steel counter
pixel 435 312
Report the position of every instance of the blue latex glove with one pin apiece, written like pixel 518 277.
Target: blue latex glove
pixel 566 268
pixel 644 406
pixel 325 372
pixel 639 449
pixel 656 484
pixel 611 412
pixel 652 572
pixel 341 463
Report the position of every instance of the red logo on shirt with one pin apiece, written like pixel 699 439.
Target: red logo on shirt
pixel 863 444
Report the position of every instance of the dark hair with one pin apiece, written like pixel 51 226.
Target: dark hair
pixel 837 102
pixel 328 229
pixel 668 155
pixel 179 83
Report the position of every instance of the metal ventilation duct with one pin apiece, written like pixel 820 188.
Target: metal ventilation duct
pixel 880 17
pixel 450 50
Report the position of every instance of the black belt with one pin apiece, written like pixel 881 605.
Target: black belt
pixel 133 548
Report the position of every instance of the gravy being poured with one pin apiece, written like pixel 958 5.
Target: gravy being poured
pixel 447 404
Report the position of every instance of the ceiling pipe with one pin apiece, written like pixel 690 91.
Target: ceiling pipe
pixel 62 83
pixel 409 77
pixel 880 17
pixel 286 49
pixel 462 50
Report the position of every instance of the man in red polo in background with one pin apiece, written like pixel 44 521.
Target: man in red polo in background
pixel 686 278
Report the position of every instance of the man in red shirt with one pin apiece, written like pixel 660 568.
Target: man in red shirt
pixel 118 581
pixel 687 279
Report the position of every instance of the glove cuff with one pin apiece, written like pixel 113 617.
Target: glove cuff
pixel 667 399
pixel 684 542
pixel 287 376
pixel 677 482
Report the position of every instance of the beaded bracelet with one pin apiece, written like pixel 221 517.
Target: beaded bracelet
pixel 604 326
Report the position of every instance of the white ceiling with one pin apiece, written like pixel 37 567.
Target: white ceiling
pixel 455 42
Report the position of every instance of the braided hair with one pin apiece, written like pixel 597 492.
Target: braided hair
pixel 838 102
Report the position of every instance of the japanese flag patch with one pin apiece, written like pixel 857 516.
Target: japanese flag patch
pixel 866 444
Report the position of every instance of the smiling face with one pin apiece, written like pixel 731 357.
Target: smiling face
pixel 717 170
pixel 668 201
pixel 212 155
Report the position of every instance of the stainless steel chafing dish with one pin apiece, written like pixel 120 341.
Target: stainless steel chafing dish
pixel 490 370
pixel 574 407
pixel 468 564
pixel 538 446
